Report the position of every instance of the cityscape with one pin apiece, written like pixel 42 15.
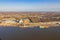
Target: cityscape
pixel 30 19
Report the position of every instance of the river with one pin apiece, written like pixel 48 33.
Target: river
pixel 36 33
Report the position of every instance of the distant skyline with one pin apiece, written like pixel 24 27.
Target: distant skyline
pixel 30 5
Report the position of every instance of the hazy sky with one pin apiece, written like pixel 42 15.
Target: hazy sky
pixel 30 5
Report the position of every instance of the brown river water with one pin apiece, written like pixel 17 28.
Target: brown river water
pixel 36 33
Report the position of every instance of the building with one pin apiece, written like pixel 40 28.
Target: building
pixel 11 18
pixel 8 20
pixel 24 21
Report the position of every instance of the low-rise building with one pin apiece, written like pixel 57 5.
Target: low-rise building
pixel 24 21
pixel 8 20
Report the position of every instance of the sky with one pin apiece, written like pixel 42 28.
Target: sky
pixel 30 5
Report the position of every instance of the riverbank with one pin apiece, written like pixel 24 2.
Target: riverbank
pixel 40 24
